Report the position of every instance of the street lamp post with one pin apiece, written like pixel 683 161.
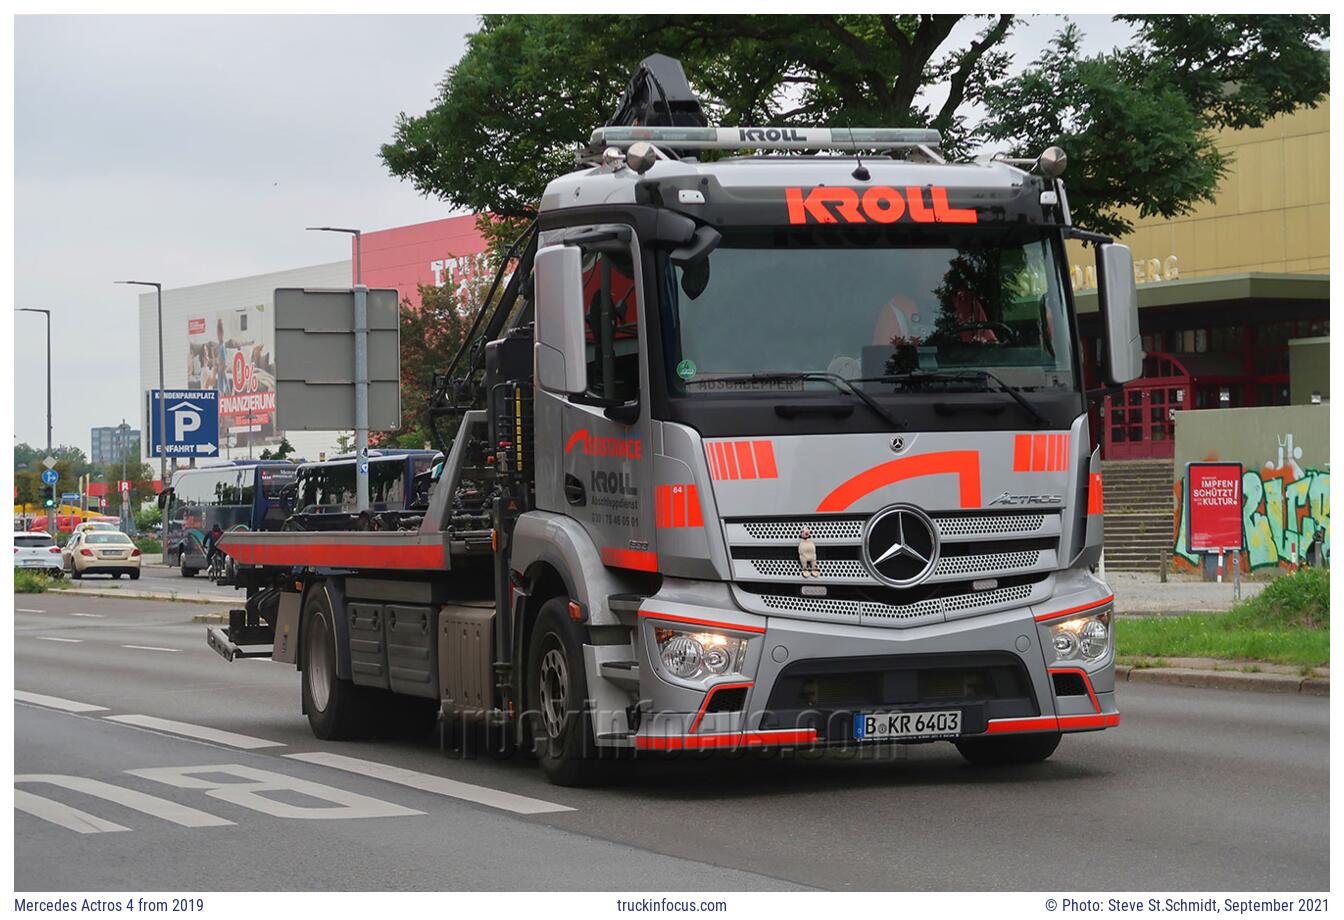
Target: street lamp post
pixel 51 512
pixel 125 494
pixel 361 371
pixel 163 421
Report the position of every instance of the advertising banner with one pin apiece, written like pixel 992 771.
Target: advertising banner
pixel 1213 506
pixel 231 351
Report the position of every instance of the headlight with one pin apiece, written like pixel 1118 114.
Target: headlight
pixel 698 655
pixel 1088 638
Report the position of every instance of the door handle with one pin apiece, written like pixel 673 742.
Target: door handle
pixel 575 494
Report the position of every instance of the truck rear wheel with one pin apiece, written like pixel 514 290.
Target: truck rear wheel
pixel 337 709
pixel 1011 750
pixel 557 714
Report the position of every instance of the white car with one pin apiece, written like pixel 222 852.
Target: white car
pixel 37 551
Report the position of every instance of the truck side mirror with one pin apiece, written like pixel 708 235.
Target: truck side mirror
pixel 560 362
pixel 1118 299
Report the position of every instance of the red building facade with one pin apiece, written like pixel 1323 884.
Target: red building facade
pixel 437 252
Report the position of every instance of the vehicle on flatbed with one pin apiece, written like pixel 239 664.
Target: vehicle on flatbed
pixel 235 494
pixel 764 451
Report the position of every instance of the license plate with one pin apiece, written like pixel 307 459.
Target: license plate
pixel 887 726
pixel 112 554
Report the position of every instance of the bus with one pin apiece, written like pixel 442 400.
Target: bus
pixel 236 495
pixel 324 492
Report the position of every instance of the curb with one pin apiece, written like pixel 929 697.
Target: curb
pixel 145 596
pixel 210 618
pixel 1224 680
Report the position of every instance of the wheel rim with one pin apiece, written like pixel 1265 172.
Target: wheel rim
pixel 318 673
pixel 554 691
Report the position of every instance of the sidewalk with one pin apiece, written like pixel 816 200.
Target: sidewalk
pixel 1142 594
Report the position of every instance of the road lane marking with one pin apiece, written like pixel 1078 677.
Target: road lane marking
pixel 58 813
pixel 139 801
pixel 427 782
pixel 152 648
pixel 232 739
pixel 27 610
pixel 98 616
pixel 55 702
pixel 253 795
pixel 56 639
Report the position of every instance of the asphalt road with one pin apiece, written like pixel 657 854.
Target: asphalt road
pixel 1198 789
pixel 161 579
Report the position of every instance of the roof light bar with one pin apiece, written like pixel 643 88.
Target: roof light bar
pixel 691 138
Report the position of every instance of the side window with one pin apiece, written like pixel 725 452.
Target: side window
pixel 611 323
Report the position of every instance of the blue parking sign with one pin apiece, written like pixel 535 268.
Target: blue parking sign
pixel 192 423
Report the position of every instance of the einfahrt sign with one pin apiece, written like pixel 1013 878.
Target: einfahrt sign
pixel 1213 506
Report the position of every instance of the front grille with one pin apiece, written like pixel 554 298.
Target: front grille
pixel 1012 550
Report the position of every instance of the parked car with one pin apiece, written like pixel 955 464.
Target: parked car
pixel 37 551
pixel 102 552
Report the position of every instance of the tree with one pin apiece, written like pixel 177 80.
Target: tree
pixel 529 89
pixel 281 452
pixel 430 336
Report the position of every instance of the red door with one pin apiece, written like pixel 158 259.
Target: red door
pixel 1139 422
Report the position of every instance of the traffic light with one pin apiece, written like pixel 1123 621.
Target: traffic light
pixel 50 502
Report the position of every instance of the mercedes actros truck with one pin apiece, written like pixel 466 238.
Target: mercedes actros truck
pixel 763 438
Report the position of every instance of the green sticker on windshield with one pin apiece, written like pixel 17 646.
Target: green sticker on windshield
pixel 686 369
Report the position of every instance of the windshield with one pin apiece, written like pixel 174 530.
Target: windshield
pixel 106 538
pixel 866 305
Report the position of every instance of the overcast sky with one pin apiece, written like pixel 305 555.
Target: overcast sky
pixel 195 149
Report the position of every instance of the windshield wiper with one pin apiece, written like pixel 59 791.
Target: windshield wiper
pixel 840 383
pixel 980 376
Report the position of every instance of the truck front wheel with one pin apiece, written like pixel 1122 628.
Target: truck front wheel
pixel 1012 750
pixel 337 709
pixel 557 700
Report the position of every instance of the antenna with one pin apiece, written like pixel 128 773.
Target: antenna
pixel 860 171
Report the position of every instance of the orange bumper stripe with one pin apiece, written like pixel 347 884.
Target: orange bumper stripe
pixel 728 740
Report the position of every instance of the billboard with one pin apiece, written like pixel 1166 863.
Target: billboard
pixel 1213 506
pixel 231 350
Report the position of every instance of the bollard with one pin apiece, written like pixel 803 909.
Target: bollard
pixel 1162 572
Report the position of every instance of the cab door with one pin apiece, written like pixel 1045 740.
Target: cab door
pixel 607 459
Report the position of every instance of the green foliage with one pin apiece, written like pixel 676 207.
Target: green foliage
pixel 1135 124
pixel 282 451
pixel 430 336
pixel 149 546
pixel 1287 623
pixel 28 581
pixel 148 516
pixel 1300 600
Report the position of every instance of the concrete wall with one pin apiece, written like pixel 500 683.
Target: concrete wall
pixel 1308 369
pixel 1285 455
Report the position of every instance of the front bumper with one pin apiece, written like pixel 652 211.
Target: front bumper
pixel 805 681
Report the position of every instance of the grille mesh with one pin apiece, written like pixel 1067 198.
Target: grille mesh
pixel 986 598
pixel 789 530
pixel 792 568
pixel 984 565
pixel 976 525
pixel 890 614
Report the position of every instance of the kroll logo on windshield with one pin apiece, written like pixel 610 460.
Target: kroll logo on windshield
pixel 880 204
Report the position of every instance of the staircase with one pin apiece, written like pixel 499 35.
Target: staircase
pixel 1139 507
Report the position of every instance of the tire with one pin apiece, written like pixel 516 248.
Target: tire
pixel 116 576
pixel 75 574
pixel 1006 751
pixel 557 716
pixel 337 709
pixel 135 576
pixel 186 572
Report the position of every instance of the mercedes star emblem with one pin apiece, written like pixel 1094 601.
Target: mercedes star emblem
pixel 900 546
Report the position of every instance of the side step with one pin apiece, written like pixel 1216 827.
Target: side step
pixel 217 637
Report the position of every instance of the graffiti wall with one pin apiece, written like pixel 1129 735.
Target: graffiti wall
pixel 1285 483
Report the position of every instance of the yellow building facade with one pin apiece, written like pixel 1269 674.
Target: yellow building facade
pixel 1224 289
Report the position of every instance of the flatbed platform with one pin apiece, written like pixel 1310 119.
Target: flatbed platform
pixel 394 550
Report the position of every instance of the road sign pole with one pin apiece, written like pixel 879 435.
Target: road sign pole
pixel 362 398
